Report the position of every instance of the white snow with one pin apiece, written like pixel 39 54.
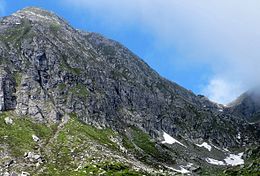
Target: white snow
pixel 239 135
pixel 24 174
pixel 225 150
pixel 205 145
pixel 181 170
pixel 189 165
pixel 170 140
pixel 214 162
pixel 35 138
pixel 234 160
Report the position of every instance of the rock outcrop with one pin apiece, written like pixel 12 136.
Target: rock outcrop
pixel 7 90
pixel 247 106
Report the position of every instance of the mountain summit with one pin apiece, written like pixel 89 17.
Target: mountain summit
pixel 247 106
pixel 75 102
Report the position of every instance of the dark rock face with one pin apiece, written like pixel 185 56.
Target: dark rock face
pixel 247 106
pixel 7 90
pixel 59 70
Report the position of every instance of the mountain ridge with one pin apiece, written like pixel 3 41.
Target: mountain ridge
pixel 52 73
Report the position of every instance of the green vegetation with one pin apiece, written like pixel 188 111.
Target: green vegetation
pixel 64 146
pixel 76 128
pixel 18 136
pixel 67 67
pixel 18 78
pixel 79 90
pixel 55 27
pixel 72 140
pixel 62 86
pixel 141 140
pixel 15 35
pixel 109 169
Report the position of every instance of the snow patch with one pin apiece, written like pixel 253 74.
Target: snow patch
pixel 205 145
pixel 239 136
pixel 234 160
pixel 35 138
pixel 170 140
pixel 215 162
pixel 225 150
pixel 181 170
pixel 189 165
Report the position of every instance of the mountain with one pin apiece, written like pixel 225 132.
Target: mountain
pixel 247 106
pixel 77 103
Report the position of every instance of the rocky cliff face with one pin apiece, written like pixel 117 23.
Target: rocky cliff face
pixel 7 90
pixel 50 72
pixel 247 106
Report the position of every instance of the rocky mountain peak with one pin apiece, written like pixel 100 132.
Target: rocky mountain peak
pixel 37 14
pixel 247 105
pixel 55 76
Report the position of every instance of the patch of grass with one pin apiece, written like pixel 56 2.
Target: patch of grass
pixel 109 168
pixel 67 67
pixel 55 27
pixel 79 90
pixel 77 128
pixel 106 168
pixel 18 78
pixel 15 35
pixel 18 136
pixel 127 143
pixel 70 142
pixel 62 86
pixel 143 141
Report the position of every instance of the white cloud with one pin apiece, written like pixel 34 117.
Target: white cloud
pixel 222 34
pixel 222 91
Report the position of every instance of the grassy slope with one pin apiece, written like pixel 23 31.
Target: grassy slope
pixel 76 144
pixel 64 152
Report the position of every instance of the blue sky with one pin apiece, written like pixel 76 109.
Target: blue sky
pixel 209 47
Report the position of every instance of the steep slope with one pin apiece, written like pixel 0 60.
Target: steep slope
pixel 247 106
pixel 65 80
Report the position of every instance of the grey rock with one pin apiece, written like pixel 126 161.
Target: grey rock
pixel 247 106
pixel 8 121
pixel 7 90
